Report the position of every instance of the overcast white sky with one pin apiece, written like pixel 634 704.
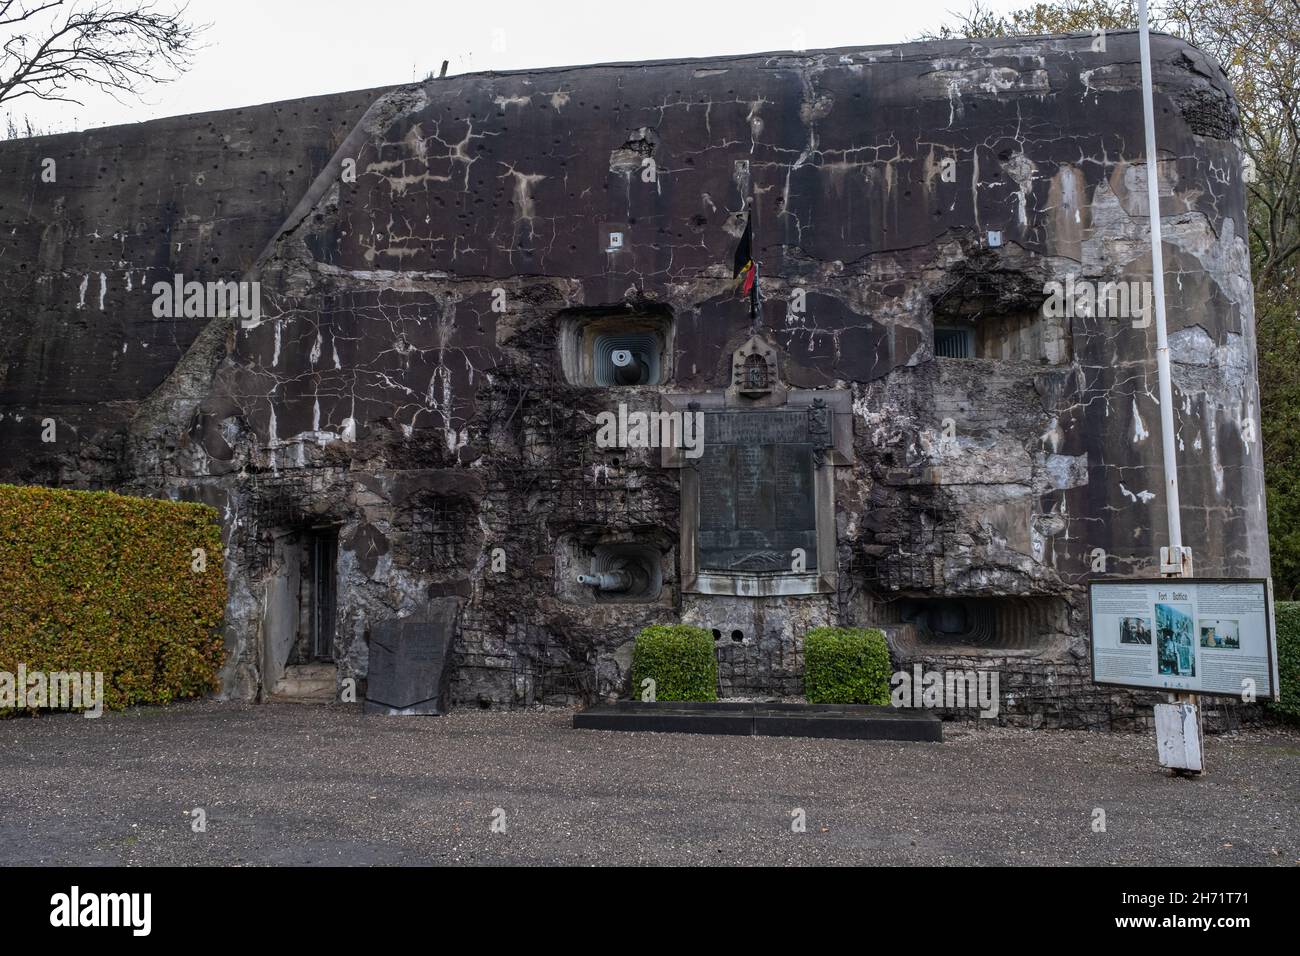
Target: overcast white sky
pixel 259 51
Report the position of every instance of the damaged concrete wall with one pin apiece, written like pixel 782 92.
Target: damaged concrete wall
pixel 405 384
pixel 90 221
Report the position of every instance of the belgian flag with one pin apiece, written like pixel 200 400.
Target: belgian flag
pixel 745 269
pixel 744 272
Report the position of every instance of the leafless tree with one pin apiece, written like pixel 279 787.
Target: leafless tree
pixel 54 49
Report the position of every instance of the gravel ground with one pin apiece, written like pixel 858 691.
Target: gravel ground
pixel 293 784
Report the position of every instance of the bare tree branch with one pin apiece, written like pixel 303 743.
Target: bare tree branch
pixel 56 48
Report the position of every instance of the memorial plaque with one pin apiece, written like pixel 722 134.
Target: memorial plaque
pixel 757 501
pixel 408 662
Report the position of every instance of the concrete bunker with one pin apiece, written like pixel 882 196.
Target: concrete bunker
pixel 900 420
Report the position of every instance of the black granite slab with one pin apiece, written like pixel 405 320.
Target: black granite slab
pixel 838 721
pixel 408 662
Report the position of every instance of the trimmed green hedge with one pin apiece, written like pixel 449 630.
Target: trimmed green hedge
pixel 95 581
pixel 846 665
pixel 679 658
pixel 1287 617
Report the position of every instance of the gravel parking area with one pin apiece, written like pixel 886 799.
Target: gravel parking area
pixel 294 784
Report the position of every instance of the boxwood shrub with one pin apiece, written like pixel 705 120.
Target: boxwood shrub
pixel 96 581
pixel 679 658
pixel 846 665
pixel 1287 617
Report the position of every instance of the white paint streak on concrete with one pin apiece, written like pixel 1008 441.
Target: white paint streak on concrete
pixel 1140 432
pixel 1141 496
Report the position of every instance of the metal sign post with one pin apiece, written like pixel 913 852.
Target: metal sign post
pixel 1178 724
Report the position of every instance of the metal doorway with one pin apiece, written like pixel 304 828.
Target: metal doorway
pixel 322 553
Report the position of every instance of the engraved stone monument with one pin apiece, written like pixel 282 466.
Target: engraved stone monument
pixel 408 662
pixel 758 505
pixel 757 501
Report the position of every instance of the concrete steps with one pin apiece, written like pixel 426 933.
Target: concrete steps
pixel 307 684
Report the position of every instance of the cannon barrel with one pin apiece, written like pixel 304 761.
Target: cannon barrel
pixel 607 580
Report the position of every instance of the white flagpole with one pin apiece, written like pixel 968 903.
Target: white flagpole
pixel 1167 434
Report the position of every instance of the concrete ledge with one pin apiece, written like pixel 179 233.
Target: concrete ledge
pixel 839 721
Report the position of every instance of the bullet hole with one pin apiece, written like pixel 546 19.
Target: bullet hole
pixel 737 636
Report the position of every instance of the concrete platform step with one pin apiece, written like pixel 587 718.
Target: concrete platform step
pixel 307 684
pixel 839 721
